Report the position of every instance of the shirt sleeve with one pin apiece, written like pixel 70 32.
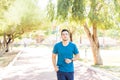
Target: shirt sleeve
pixel 76 51
pixel 55 49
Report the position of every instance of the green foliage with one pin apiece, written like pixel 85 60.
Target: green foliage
pixel 114 33
pixel 63 7
pixel 117 6
pixel 4 5
pixel 50 10
pixel 21 17
pixel 96 11
pixel 104 13
pixel 78 9
pixel 117 9
pixel 105 67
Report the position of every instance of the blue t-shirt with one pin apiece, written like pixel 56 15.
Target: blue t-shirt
pixel 64 52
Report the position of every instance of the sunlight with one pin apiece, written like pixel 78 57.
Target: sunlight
pixel 43 3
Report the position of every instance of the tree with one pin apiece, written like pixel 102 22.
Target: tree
pixel 4 5
pixel 50 10
pixel 21 17
pixel 92 14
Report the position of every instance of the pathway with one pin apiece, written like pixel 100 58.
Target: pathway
pixel 35 64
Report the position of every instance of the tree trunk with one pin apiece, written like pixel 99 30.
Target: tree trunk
pixel 3 45
pixel 71 39
pixel 2 49
pixel 94 44
pixel 7 48
pixel 7 41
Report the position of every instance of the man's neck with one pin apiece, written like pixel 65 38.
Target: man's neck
pixel 65 43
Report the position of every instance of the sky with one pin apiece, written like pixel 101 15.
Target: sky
pixel 42 3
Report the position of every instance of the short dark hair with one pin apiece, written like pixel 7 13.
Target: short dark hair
pixel 64 30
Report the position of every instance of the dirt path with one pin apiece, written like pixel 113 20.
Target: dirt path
pixel 35 64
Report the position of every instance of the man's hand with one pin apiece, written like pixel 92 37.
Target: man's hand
pixel 56 68
pixel 54 62
pixel 68 60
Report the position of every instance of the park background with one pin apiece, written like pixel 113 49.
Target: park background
pixel 94 26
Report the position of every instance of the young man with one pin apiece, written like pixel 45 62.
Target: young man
pixel 66 53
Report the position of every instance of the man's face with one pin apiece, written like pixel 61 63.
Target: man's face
pixel 65 36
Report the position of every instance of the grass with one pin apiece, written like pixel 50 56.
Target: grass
pixel 7 58
pixel 110 57
pixel 115 70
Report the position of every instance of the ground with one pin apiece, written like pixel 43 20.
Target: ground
pixel 7 58
pixel 36 59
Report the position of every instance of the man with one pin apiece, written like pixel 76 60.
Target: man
pixel 66 53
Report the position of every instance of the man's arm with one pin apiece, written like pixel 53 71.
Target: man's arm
pixel 54 62
pixel 76 57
